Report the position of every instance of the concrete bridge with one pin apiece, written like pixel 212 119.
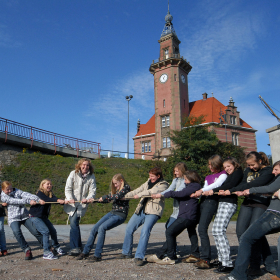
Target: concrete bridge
pixel 24 136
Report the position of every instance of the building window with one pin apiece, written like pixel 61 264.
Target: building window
pixel 175 77
pixel 166 53
pixel 146 147
pixel 166 142
pixel 235 139
pixel 163 103
pixel 233 119
pixel 165 121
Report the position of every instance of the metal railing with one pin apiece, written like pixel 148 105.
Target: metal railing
pixel 44 136
pixel 167 56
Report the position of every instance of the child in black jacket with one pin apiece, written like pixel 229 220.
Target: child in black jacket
pixel 187 217
pixel 39 216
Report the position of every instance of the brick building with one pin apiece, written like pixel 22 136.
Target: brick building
pixel 172 104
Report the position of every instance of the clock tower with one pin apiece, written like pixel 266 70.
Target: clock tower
pixel 170 88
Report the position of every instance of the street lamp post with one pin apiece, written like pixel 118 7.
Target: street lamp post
pixel 128 98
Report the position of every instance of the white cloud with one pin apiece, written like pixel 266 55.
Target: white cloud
pixel 219 44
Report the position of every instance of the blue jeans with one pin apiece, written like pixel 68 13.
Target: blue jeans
pixel 15 226
pixel 46 228
pixel 208 209
pixel 107 222
pixel 148 221
pixel 2 235
pixel 75 233
pixel 246 217
pixel 268 221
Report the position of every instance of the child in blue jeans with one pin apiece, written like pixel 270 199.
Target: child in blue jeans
pixel 39 217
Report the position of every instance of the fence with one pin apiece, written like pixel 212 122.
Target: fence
pixel 44 136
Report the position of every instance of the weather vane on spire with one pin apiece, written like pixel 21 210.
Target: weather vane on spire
pixel 168 28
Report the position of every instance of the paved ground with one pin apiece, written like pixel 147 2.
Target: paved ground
pixel 14 266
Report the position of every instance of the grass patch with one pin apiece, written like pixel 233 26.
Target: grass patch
pixel 29 169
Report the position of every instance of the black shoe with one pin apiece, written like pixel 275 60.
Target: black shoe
pixel 138 261
pixel 216 263
pixel 224 269
pixel 94 259
pixel 254 271
pixel 75 252
pixel 122 256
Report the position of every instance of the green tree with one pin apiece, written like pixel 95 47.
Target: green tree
pixel 195 143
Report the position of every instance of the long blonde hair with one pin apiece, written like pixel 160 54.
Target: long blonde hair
pixel 49 194
pixel 118 177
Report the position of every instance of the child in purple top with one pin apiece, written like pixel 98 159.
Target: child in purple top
pixel 208 208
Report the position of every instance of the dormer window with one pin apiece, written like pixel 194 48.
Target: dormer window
pixel 233 120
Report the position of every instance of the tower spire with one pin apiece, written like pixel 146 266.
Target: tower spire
pixel 168 27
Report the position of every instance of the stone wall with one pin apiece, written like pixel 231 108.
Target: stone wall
pixel 8 154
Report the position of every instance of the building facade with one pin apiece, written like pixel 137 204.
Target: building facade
pixel 172 105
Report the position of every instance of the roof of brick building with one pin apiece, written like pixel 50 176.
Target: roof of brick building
pixel 210 108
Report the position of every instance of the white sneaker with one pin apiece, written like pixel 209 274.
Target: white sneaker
pixel 153 259
pixel 59 251
pixel 50 256
pixel 165 261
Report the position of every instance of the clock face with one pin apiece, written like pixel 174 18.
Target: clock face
pixel 183 79
pixel 163 78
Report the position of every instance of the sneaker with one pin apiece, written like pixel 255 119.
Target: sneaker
pixel 216 263
pixel 74 252
pixel 82 256
pixel 122 256
pixel 228 277
pixel 50 256
pixel 4 253
pixel 94 259
pixel 28 255
pixel 224 269
pixel 152 259
pixel 202 264
pixel 166 260
pixel 190 259
pixel 59 251
pixel 138 262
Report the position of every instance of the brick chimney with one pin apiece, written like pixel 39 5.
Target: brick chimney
pixel 204 95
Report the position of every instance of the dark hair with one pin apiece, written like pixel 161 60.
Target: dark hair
pixel 259 157
pixel 216 163
pixel 276 163
pixel 181 166
pixel 156 171
pixel 232 161
pixel 192 176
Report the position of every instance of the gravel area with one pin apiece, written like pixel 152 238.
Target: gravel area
pixel 14 266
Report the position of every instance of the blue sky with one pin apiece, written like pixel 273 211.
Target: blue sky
pixel 66 66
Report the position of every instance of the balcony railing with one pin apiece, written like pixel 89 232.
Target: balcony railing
pixel 44 136
pixel 167 56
